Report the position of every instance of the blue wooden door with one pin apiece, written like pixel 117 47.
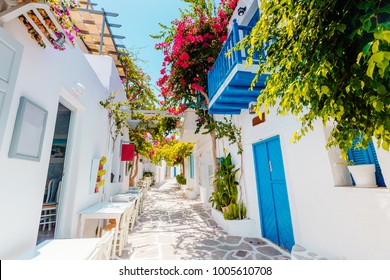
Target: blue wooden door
pixel 274 207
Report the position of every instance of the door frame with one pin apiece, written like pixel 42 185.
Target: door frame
pixel 68 188
pixel 258 185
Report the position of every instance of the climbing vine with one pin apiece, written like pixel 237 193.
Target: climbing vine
pixel 153 135
pixel 329 61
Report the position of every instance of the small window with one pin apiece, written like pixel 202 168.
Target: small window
pixel 367 156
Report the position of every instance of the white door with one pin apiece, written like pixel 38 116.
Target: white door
pixel 10 57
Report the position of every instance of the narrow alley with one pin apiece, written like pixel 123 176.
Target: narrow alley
pixel 172 227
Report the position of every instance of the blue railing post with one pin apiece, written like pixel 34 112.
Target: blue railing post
pixel 236 39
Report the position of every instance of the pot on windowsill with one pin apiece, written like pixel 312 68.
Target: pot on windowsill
pixel 363 175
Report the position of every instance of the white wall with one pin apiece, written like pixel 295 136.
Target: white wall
pixel 203 161
pixel 46 77
pixel 160 171
pixel 203 169
pixel 336 222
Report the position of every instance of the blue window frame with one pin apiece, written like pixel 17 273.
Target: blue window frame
pixel 191 166
pixel 367 156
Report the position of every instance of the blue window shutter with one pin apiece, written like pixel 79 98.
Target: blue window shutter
pixel 191 166
pixel 367 156
pixel 374 159
pixel 358 156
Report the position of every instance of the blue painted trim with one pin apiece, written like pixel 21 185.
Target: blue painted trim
pixel 191 167
pixel 239 85
pixel 224 64
pixel 224 112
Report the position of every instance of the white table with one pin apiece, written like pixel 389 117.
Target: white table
pixel 62 249
pixel 130 194
pixel 104 210
pixel 122 198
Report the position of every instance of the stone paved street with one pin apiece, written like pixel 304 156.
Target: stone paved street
pixel 172 227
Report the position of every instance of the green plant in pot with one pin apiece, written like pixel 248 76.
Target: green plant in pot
pixel 235 211
pixel 226 191
pixel 180 179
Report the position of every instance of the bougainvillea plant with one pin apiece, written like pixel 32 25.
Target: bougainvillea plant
pixel 61 10
pixel 190 46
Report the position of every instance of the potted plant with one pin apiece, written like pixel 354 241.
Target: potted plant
pixel 226 185
pixel 363 175
pixel 180 179
pixel 227 211
pixel 235 211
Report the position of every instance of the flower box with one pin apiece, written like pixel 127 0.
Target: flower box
pixel 246 227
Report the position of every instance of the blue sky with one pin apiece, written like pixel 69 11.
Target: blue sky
pixel 139 19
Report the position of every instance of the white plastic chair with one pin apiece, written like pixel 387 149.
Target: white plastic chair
pixel 105 245
pixel 128 225
pixel 96 254
pixel 141 202
pixel 135 214
pixel 123 230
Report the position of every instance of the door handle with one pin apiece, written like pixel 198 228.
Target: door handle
pixel 270 166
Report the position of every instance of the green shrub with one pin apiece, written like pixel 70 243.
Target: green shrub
pixel 181 179
pixel 148 174
pixel 226 184
pixel 235 211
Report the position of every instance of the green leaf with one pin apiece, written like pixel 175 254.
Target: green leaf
pixel 370 69
pixel 367 25
pixel 385 25
pixel 325 90
pixel 375 46
pixel 385 145
pixel 379 88
pixel 378 106
pixel 341 27
pixel 383 35
pixel 366 49
pixel 359 57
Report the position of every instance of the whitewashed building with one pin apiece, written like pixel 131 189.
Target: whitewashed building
pixel 295 193
pixel 52 127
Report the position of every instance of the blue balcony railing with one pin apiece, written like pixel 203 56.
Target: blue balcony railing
pixel 224 64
